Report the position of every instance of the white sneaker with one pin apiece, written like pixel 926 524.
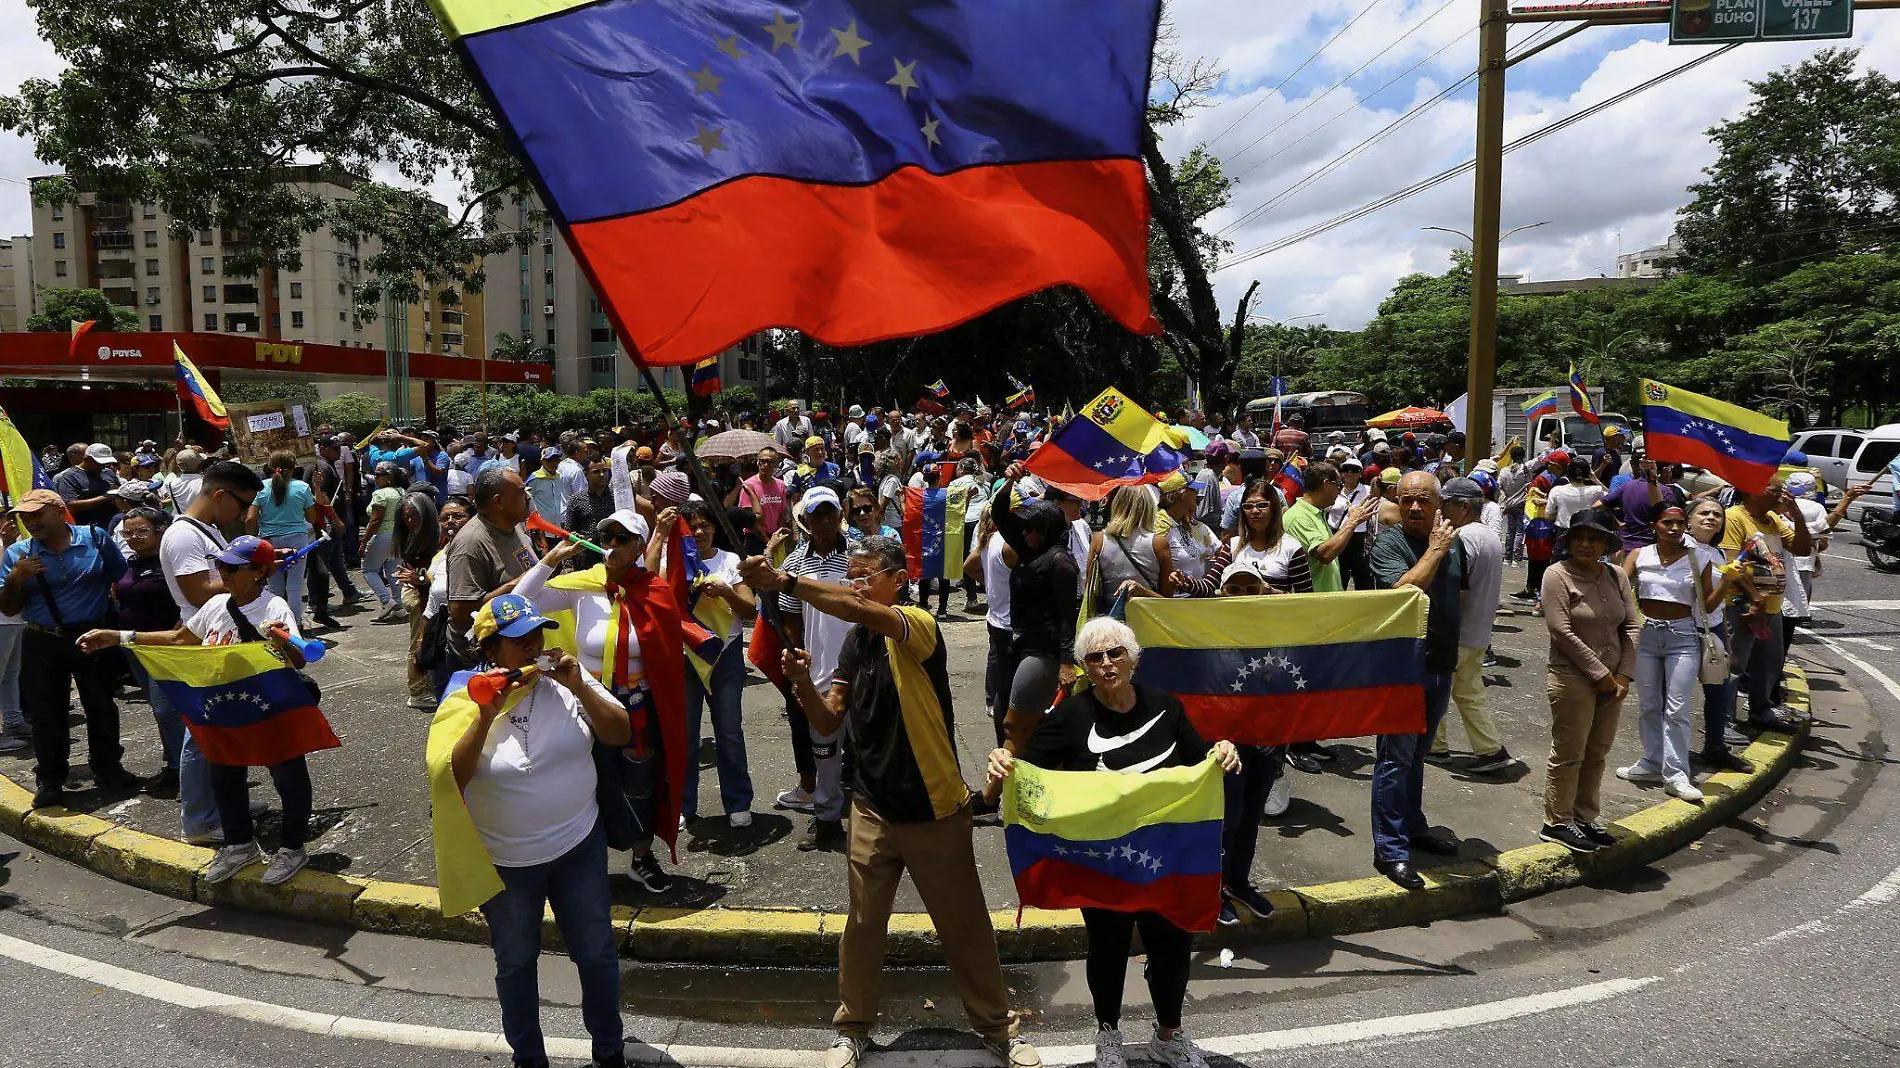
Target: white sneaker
pixel 232 859
pixel 1015 1052
pixel 794 800
pixel 740 819
pixel 846 1051
pixel 1637 773
pixel 1176 1052
pixel 208 838
pixel 1683 790
pixel 1108 1049
pixel 286 864
pixel 1280 795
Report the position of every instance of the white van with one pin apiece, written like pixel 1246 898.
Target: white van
pixel 1853 457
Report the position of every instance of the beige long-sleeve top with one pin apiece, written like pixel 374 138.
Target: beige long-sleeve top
pixel 1592 620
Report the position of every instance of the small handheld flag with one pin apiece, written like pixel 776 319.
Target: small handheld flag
pixel 706 377
pixel 1020 396
pixel 1543 404
pixel 1735 444
pixel 1580 396
pixel 195 391
pixel 939 390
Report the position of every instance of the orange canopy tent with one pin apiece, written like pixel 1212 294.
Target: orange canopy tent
pixel 1409 417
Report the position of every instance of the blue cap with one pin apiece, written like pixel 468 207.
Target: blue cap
pixel 245 550
pixel 515 615
pixel 1795 458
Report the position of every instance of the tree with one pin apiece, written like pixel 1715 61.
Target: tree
pixel 351 413
pixel 509 347
pixel 60 308
pixel 1808 171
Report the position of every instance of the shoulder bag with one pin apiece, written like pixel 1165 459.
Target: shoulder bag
pixel 1713 668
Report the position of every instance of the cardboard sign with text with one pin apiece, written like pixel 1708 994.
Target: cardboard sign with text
pixel 259 428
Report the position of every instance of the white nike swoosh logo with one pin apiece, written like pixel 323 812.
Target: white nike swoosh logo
pixel 1145 766
pixel 1099 745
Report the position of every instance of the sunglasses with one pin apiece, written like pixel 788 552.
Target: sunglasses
pixel 863 582
pixel 1118 653
pixel 619 539
pixel 1257 506
pixel 862 509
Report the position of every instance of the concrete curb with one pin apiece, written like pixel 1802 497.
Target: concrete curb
pixel 791 936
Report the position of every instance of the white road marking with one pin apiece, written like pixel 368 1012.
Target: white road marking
pixel 1892 687
pixel 335 1026
pixel 1868 642
pixel 1881 893
pixel 1867 606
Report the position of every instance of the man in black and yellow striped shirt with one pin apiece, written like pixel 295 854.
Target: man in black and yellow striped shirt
pixel 910 808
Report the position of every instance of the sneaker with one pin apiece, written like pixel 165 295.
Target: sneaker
pixel 1568 836
pixel 1523 595
pixel 846 1052
pixel 1315 750
pixel 1727 761
pixel 1176 1052
pixel 1305 762
pixel 11 742
pixel 1108 1048
pixel 329 622
pixel 794 800
pixel 164 784
pixel 1440 757
pixel 1250 899
pixel 423 706
pixel 1492 763
pixel 1015 1052
pixel 1228 917
pixel 208 838
pixel 1683 790
pixel 1279 795
pixel 1598 833
pixel 232 859
pixel 285 865
pixel 258 805
pixel 116 778
pixel 1638 774
pixel 1489 660
pixel 49 797
pixel 740 819
pixel 649 876
pixel 821 834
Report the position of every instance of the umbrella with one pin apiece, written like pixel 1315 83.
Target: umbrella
pixel 1195 439
pixel 733 445
pixel 1409 417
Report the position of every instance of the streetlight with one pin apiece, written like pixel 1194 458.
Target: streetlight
pixel 1468 238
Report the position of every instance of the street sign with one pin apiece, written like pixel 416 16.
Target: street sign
pixel 1723 21
pixel 1807 20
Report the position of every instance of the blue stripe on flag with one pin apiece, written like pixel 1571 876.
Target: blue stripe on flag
pixel 1731 441
pixel 1141 856
pixel 241 703
pixel 1252 672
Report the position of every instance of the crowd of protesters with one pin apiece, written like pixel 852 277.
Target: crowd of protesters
pixel 457 536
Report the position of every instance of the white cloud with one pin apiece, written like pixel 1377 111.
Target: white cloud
pixel 22 55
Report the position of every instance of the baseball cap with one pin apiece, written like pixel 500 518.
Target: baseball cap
pixel 551 450
pixel 1463 489
pixel 815 499
pixel 101 452
pixel 34 500
pixel 1591 519
pixel 643 454
pixel 137 491
pixel 630 521
pixel 1352 462
pixel 865 448
pixel 144 459
pixel 246 549
pixel 1800 482
pixel 1255 567
pixel 1558 456
pixel 1390 475
pixel 511 615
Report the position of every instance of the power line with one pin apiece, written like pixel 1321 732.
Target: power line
pixel 1296 70
pixel 1444 176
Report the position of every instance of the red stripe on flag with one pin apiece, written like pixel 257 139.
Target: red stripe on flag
pixel 852 264
pixel 292 733
pixel 1308 717
pixel 913 532
pixel 1072 476
pixel 1190 902
pixel 1744 476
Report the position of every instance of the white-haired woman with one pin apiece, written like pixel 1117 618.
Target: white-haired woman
pixel 1116 725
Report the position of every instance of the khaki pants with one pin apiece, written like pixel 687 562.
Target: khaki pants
pixel 942 865
pixel 1582 727
pixel 1467 692
pixel 421 691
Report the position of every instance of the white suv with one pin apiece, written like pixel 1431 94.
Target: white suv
pixel 1846 457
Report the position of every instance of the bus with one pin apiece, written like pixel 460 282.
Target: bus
pixel 1322 412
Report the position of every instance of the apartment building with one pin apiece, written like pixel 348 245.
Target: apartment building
pixel 540 293
pixel 1652 262
pixel 16 282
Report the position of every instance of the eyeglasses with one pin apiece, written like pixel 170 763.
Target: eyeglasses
pixel 1118 653
pixel 863 582
pixel 1256 506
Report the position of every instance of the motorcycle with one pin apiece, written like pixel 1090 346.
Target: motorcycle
pixel 1880 536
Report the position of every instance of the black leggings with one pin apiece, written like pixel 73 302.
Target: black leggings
pixel 292 779
pixel 1534 576
pixel 1168 948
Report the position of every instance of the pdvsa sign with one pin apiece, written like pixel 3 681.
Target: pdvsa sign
pixel 279 352
pixel 107 353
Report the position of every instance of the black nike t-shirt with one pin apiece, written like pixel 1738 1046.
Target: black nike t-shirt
pixel 1083 734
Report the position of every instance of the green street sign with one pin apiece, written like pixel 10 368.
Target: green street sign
pixel 1723 21
pixel 1807 20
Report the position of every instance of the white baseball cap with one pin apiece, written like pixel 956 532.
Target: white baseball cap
pixel 101 452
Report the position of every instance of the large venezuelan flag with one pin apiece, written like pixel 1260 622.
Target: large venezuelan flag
pixel 1114 443
pixel 1735 444
pixel 856 169
pixel 242 705
pixel 1104 839
pixel 933 532
pixel 1290 667
pixel 196 391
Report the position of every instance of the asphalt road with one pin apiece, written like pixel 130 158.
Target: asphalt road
pixel 1771 942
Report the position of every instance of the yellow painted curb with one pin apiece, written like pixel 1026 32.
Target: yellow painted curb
pixel 792 936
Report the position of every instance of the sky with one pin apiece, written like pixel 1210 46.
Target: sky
pixel 1307 80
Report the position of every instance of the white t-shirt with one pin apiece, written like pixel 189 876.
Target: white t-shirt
pixel 459 481
pixel 591 612
pixel 183 489
pixel 532 795
pixel 1347 498
pixel 214 626
pixel 996 582
pixel 186 549
pixel 438 585
pixel 1568 499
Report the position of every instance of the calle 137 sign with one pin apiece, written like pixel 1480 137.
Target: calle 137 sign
pixel 1723 21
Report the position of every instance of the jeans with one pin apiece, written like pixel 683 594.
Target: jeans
pixel 11 717
pixel 728 684
pixel 1398 778
pixel 575 885
pixel 1668 658
pixel 379 567
pixel 288 582
pixel 229 783
pixel 198 804
pixel 1514 532
pixel 1755 663
pixel 1246 798
pixel 171 725
pixel 52 667
pixel 1718 702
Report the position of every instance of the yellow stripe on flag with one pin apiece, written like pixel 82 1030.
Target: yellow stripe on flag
pixel 1093 806
pixel 1279 622
pixel 1127 422
pixel 206 665
pixel 465 17
pixel 1715 411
